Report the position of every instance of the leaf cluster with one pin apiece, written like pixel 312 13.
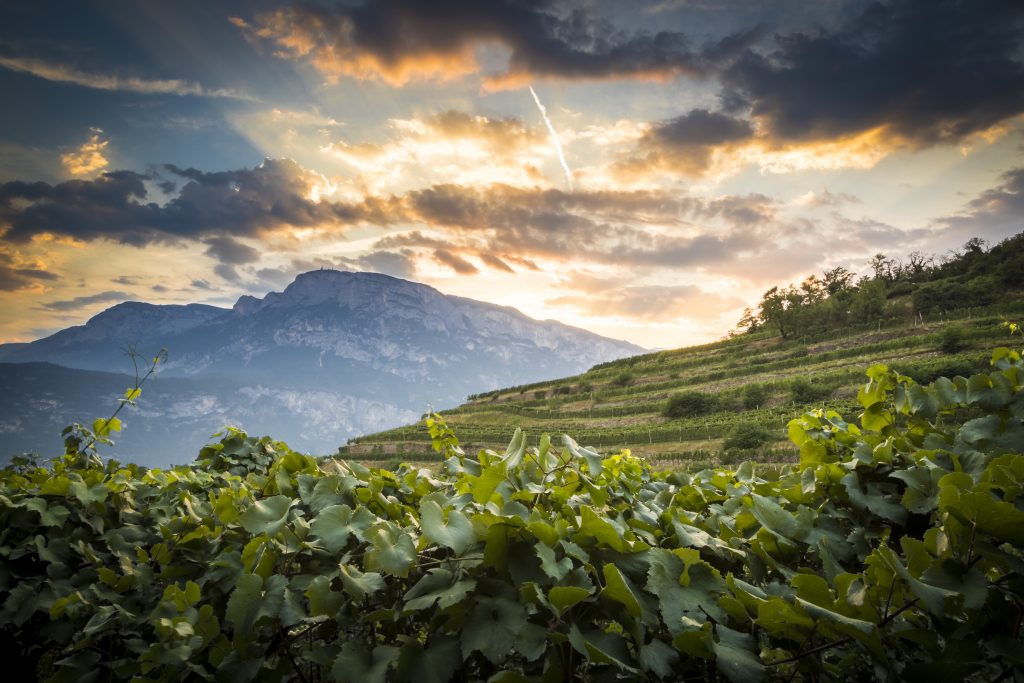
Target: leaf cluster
pixel 893 551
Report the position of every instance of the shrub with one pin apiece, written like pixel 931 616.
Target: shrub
pixel 539 394
pixel 563 390
pixel 926 372
pixel 952 339
pixel 802 391
pixel 623 379
pixel 754 395
pixel 690 404
pixel 746 435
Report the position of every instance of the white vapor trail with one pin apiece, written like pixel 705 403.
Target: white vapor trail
pixel 554 138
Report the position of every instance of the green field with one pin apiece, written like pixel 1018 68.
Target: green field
pixel 756 378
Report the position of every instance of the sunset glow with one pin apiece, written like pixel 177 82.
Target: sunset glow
pixel 643 173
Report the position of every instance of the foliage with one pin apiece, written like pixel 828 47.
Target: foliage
pixel 952 339
pixel 754 395
pixel 893 551
pixel 623 379
pixel 747 435
pixel 690 404
pixel 803 392
pixel 953 293
pixel 973 277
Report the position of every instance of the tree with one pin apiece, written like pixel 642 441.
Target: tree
pixel 749 322
pixel 869 303
pixel 883 267
pixel 837 280
pixel 917 266
pixel 778 308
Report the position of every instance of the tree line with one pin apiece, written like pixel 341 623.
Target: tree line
pixel 895 288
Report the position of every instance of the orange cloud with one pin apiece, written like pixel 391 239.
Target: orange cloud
pixel 448 147
pixel 397 41
pixel 331 48
pixel 654 156
pixel 88 159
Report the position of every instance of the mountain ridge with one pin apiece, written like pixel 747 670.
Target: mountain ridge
pixel 339 352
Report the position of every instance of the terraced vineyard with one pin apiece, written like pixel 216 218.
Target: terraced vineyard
pixel 748 385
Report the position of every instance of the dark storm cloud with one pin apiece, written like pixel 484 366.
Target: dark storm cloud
pixel 395 40
pixel 685 144
pixel 699 128
pixel 14 276
pixel 242 202
pixel 931 70
pixel 226 272
pixel 81 301
pixel 455 262
pixel 494 262
pixel 228 250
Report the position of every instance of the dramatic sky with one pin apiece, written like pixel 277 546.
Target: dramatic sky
pixel 641 170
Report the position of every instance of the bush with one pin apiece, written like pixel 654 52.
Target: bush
pixel 623 379
pixel 928 371
pixel 952 339
pixel 690 404
pixel 539 394
pixel 802 391
pixel 799 352
pixel 563 390
pixel 746 435
pixel 754 395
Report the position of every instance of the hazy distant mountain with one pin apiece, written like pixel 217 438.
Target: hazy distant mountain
pixel 333 355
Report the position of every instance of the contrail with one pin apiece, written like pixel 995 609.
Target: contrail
pixel 554 138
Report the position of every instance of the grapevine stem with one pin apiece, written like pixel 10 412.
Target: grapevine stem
pixel 291 658
pixel 843 641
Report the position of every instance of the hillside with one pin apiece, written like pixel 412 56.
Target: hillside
pixel 806 345
pixel 752 379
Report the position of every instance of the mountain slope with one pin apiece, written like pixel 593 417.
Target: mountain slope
pixel 336 354
pixel 806 345
pixel 753 382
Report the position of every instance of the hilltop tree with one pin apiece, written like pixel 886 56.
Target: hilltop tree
pixel 967 278
pixel 837 280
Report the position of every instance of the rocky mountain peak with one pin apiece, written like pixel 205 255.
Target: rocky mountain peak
pixel 345 288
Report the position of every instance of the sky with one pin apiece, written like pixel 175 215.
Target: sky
pixel 644 170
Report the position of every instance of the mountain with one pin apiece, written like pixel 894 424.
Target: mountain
pixel 334 355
